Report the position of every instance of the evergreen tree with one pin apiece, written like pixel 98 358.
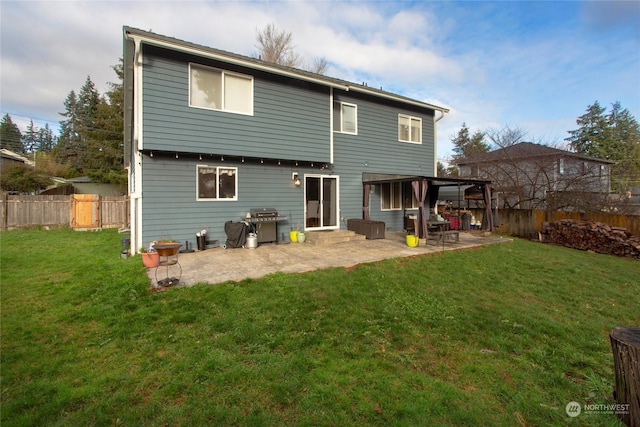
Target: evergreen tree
pixel 106 136
pixel 614 136
pixel 69 141
pixel 46 139
pixel 591 136
pixel 23 179
pixel 10 136
pixel 30 138
pixel 468 146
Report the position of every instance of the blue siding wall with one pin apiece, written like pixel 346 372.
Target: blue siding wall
pixel 290 121
pixel 376 149
pixel 170 208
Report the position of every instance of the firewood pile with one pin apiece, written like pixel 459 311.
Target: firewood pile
pixel 591 236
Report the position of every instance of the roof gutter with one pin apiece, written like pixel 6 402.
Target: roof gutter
pixel 392 97
pixel 140 36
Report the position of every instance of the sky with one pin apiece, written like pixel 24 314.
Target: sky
pixel 531 65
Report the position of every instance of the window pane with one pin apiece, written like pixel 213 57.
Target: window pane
pixel 237 94
pixel 227 183
pixel 206 88
pixel 403 128
pixel 416 130
pixel 349 118
pixel 386 196
pixel 337 117
pixel 397 195
pixel 207 183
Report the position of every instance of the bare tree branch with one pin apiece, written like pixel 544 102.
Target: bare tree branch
pixel 276 46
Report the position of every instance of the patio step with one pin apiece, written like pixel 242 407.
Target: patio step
pixel 331 237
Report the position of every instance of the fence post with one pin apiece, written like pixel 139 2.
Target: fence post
pixel 5 211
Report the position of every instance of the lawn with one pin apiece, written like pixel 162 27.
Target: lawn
pixel 507 335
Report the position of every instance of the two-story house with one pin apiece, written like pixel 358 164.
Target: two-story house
pixel 211 135
pixel 533 176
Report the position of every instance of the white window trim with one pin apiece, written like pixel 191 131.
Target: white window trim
pixel 391 184
pixel 355 106
pixel 223 72
pixel 406 116
pixel 217 199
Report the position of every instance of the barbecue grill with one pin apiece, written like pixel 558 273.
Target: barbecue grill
pixel 265 221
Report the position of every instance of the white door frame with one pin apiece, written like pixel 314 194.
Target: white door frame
pixel 321 225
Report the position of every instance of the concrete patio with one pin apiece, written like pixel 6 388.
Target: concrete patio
pixel 219 265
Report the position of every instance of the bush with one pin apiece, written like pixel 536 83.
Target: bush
pixel 23 179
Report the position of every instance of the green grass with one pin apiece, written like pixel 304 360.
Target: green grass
pixel 503 335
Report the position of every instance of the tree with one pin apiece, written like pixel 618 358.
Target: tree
pixel 68 146
pixel 446 171
pixel 74 145
pixel 30 138
pixel 614 136
pixel 319 65
pixel 22 179
pixel 106 144
pixel 275 45
pixel 46 139
pixel 10 136
pixel 468 146
pixel 506 136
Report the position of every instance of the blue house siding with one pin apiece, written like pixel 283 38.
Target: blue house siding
pixel 289 121
pixel 376 149
pixel 170 208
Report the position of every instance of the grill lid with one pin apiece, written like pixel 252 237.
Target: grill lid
pixel 263 212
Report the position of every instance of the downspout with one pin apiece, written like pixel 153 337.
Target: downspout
pixel 331 125
pixel 435 142
pixel 135 190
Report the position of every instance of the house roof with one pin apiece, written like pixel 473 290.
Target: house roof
pixel 8 154
pixel 150 38
pixel 524 150
pixel 379 178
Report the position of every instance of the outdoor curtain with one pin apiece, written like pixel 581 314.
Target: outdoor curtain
pixel 487 218
pixel 365 202
pixel 420 191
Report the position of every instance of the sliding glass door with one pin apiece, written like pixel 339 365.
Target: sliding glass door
pixel 321 202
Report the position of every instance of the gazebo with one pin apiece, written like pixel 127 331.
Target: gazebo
pixel 426 190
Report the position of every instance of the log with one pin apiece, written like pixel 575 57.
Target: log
pixel 591 236
pixel 625 345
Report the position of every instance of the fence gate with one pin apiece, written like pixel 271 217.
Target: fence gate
pixel 85 211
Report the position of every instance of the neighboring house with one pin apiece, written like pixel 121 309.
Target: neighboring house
pixel 210 135
pixel 83 185
pixel 9 158
pixel 534 176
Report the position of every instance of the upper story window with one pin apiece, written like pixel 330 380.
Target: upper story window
pixel 345 117
pixel 215 89
pixel 409 129
pixel 561 166
pixel 217 183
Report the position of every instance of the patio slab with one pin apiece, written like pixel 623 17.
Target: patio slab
pixel 221 265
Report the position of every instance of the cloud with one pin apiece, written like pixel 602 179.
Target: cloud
pixel 534 64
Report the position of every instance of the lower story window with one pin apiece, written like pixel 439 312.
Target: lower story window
pixel 217 183
pixel 391 196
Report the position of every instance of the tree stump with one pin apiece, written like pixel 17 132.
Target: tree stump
pixel 625 344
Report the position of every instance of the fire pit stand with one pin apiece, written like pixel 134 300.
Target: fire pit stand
pixel 168 253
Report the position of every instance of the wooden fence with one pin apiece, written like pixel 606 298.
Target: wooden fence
pixel 79 211
pixel 527 223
